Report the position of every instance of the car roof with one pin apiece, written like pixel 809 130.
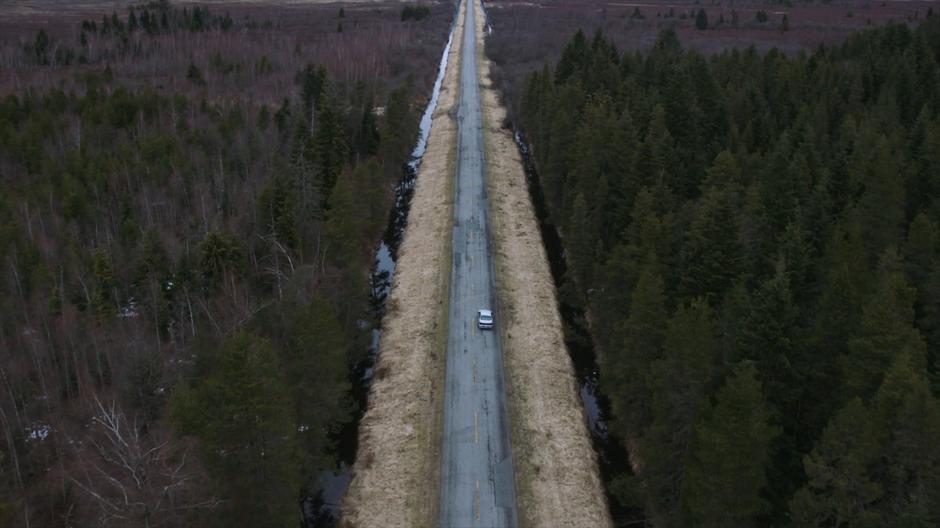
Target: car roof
pixel 485 312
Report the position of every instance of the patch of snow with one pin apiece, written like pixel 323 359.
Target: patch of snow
pixel 38 432
pixel 129 310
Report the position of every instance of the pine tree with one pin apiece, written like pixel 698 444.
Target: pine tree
pixel 194 75
pixel 220 257
pixel 796 255
pixel 725 173
pixel 657 151
pixel 838 319
pixel 581 242
pixel 315 363
pixel 398 132
pixel 786 183
pixel 920 249
pixel 701 20
pixel 623 182
pixel 240 412
pixel 599 155
pixel 887 329
pixel 679 384
pixel 329 145
pixel 646 241
pixel 880 209
pixel 626 367
pixel 573 57
pixel 908 416
pixel 758 237
pixel 729 454
pixel 557 161
pixel 771 339
pixel 841 489
pixel 277 209
pixel 104 302
pixel 535 106
pixel 710 255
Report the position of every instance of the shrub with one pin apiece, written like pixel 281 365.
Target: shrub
pixel 701 20
pixel 415 13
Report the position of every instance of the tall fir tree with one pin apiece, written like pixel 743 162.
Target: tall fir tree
pixel 679 383
pixel 726 470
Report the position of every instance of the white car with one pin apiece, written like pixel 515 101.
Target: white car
pixel 484 319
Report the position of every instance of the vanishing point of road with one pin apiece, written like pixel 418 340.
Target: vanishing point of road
pixel 477 487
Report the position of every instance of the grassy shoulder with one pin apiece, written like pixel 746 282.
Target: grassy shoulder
pixel 557 478
pixel 396 474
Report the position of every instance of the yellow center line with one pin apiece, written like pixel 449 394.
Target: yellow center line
pixel 477 500
pixel 476 430
pixel 474 370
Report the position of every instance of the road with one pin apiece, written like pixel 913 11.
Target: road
pixel 477 487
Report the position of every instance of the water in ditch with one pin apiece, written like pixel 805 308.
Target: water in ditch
pixel 612 456
pixel 322 510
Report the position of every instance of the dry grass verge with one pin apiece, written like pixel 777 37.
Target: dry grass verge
pixel 397 470
pixel 557 478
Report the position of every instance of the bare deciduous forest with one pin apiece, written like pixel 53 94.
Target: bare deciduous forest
pixel 190 203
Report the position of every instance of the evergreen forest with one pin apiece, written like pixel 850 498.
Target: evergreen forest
pixel 755 239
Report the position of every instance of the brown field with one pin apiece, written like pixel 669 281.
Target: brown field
pixel 373 47
pixel 52 7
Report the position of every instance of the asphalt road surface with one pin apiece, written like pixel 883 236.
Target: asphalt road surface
pixel 476 474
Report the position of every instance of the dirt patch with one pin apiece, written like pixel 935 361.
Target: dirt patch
pixel 557 479
pixel 397 472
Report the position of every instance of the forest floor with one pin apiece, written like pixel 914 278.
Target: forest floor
pixel 397 470
pixel 557 477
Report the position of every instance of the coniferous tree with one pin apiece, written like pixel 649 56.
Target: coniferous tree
pixel 679 383
pixel 194 75
pixel 657 152
pixel 887 329
pixel 240 412
pixel 711 256
pixel 908 418
pixel 881 205
pixel 841 490
pixel 641 342
pixel 701 19
pixel 729 455
pixel 315 360
pixel 783 233
pixel 397 135
pixel 581 241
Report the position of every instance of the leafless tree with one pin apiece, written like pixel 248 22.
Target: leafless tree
pixel 134 479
